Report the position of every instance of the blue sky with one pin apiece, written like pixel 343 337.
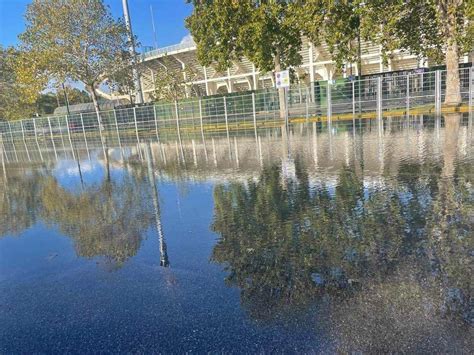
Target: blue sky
pixel 169 19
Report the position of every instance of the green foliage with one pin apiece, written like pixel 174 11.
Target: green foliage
pixel 335 23
pixel 226 30
pixel 171 82
pixel 13 103
pixel 81 42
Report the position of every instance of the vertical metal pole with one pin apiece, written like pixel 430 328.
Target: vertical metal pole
pixel 254 115
pixel 227 124
pixel 85 137
pixel 178 129
pixel 353 100
pixel 4 149
pixel 70 139
pixel 36 139
pixel 3 160
pixel 438 92
pixel 156 123
pixel 131 40
pixel 307 104
pixel 471 87
pixel 52 139
pixel 379 98
pixel 24 141
pixel 136 124
pixel 118 133
pixel 408 96
pixel 202 129
pixel 13 142
pixel 329 103
pixel 61 135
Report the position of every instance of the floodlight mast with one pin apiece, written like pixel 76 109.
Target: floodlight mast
pixel 136 75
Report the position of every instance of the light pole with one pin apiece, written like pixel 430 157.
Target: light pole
pixel 136 75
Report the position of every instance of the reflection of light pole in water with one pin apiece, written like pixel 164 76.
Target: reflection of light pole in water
pixel 151 177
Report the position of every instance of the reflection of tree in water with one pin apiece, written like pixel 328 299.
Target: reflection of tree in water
pixel 107 220
pixel 19 200
pixel 400 244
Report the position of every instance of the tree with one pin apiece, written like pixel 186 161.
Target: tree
pixel 81 42
pixel 15 99
pixel 262 31
pixel 335 23
pixel 171 84
pixel 437 29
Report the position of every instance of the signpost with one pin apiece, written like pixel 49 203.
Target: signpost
pixel 282 81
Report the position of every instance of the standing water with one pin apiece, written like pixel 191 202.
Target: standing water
pixel 353 237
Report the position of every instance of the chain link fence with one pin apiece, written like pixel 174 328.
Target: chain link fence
pixel 215 116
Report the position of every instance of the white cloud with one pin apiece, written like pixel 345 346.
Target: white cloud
pixel 188 39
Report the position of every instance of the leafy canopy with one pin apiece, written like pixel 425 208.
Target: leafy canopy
pixel 81 42
pixel 262 31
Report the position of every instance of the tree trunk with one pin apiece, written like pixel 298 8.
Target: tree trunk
pixel 93 94
pixel 453 83
pixel 281 91
pixel 91 89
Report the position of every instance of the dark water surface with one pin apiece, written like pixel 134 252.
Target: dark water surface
pixel 323 240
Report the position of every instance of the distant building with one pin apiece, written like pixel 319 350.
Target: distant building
pixel 242 76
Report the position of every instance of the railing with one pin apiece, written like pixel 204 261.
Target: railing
pixel 168 49
pixel 210 116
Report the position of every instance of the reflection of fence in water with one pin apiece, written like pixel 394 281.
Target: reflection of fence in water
pixel 237 149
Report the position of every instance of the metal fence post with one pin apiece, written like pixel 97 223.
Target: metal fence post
pixel 200 119
pixel 307 104
pixel 3 161
pixel 408 96
pixel 24 141
pixel 353 99
pixel 70 139
pixel 136 124
pixel 379 98
pixel 156 123
pixel 36 139
pixel 52 138
pixel 118 133
pixel 226 124
pixel 254 115
pixel 438 92
pixel 202 128
pixel 178 129
pixel 85 137
pixel 13 142
pixel 329 103
pixel 471 87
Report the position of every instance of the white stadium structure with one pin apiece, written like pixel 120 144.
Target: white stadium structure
pixel 243 75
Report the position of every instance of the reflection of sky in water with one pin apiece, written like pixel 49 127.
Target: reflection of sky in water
pixel 93 173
